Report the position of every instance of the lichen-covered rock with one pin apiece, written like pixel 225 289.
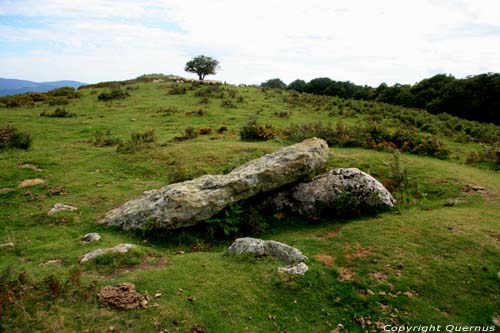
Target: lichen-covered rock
pixel 187 203
pixel 120 248
pixel 269 248
pixel 339 192
pixel 59 207
pixel 299 269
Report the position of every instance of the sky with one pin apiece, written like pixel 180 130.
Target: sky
pixel 362 41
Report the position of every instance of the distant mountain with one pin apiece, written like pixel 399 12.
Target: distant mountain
pixel 14 86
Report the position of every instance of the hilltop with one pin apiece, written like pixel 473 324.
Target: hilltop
pixel 434 259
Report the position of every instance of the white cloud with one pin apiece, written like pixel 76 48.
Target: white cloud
pixel 367 42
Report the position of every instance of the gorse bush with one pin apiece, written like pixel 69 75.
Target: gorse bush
pixel 103 139
pixel 189 133
pixel 11 137
pixel 177 90
pixel 371 136
pixel 137 141
pixel 252 130
pixel 114 93
pixel 58 113
pixel 489 156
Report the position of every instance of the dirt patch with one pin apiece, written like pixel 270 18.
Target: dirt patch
pixel 495 237
pixel 358 252
pixel 6 190
pixel 31 182
pixel 381 276
pixel 330 234
pixel 325 259
pixel 345 274
pixel 122 296
pixel 473 189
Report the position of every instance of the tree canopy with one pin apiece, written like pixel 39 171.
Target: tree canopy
pixel 202 66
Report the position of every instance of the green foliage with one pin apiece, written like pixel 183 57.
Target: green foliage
pixel 274 84
pixel 114 93
pixel 202 66
pixel 137 141
pixel 176 89
pixel 253 131
pixel 104 139
pixel 237 219
pixel 11 137
pixel 189 133
pixel 58 113
pixel 488 156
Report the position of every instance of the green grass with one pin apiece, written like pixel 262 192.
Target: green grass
pixel 447 256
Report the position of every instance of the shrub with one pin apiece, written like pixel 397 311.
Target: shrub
pixel 254 131
pixel 227 103
pixel 189 133
pixel 17 101
pixel 204 130
pixel 101 139
pixel 58 101
pixel 199 113
pixel 11 137
pixel 489 156
pixel 147 136
pixel 114 93
pixel 222 129
pixel 66 92
pixel 282 114
pixel 168 110
pixel 58 113
pixel 177 90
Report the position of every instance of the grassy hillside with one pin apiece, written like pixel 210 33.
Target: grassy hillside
pixel 424 263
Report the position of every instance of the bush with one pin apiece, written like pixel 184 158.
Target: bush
pixel 254 131
pixel 66 92
pixel 17 101
pixel 144 137
pixel 199 113
pixel 189 133
pixel 58 113
pixel 177 90
pixel 489 156
pixel 101 139
pixel 11 137
pixel 204 130
pixel 115 93
pixel 227 103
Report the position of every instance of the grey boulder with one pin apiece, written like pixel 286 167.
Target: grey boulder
pixel 187 203
pixel 271 248
pixel 333 193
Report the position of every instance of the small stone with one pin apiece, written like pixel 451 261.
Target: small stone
pixel 157 295
pixel 191 299
pixel 496 320
pixel 299 269
pixel 31 182
pixel 53 262
pixel 179 252
pixel 59 207
pixel 8 245
pixel 453 202
pixel 120 248
pixel 270 248
pixel 91 237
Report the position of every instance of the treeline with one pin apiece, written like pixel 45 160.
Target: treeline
pixel 474 98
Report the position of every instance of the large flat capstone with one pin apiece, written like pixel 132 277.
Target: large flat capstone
pixel 187 203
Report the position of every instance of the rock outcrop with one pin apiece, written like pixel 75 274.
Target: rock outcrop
pixel 337 192
pixel 187 203
pixel 271 248
pixel 120 248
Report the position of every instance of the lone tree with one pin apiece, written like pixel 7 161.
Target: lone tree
pixel 202 66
